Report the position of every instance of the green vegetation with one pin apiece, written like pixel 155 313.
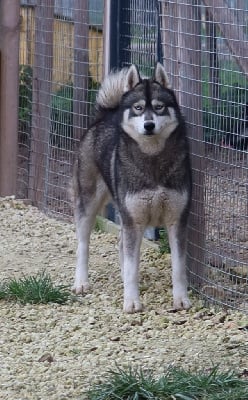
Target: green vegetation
pixel 224 114
pixel 61 107
pixel 62 115
pixel 25 97
pixel 163 243
pixel 175 384
pixel 34 289
pixel 62 112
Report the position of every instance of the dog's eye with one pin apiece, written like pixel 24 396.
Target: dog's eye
pixel 138 107
pixel 158 107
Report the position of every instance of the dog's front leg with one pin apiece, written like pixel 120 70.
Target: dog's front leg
pixel 177 240
pixel 131 241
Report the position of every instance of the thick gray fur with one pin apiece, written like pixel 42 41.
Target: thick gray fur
pixel 136 152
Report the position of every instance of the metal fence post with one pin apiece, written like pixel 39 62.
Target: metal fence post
pixel 9 83
pixel 81 67
pixel 120 33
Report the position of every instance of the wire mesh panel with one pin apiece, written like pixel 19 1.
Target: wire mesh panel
pixel 205 52
pixel 143 32
pixel 203 46
pixel 137 38
pixel 25 96
pixel 61 49
pixel 136 42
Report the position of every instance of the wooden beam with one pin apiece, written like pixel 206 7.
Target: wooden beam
pixel 169 37
pixel 9 89
pixel 41 100
pixel 190 100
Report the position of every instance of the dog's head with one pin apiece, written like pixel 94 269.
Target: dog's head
pixel 150 109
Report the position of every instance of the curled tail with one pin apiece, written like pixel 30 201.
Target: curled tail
pixel 115 85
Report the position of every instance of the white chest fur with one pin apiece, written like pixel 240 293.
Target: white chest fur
pixel 156 207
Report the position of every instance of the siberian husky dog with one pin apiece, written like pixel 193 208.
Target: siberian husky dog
pixel 135 153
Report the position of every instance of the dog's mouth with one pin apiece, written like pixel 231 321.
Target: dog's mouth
pixel 149 133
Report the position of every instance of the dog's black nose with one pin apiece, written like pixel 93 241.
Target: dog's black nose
pixel 149 126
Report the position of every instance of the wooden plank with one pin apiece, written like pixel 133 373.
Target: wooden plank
pixel 42 87
pixel 229 25
pixel 9 85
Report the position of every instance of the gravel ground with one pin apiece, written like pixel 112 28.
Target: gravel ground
pixel 57 351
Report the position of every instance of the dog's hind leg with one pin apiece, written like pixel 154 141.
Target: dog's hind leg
pixel 85 215
pixel 121 256
pixel 177 240
pixel 131 238
pixel 84 225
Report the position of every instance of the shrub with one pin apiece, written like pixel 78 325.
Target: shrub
pixel 62 112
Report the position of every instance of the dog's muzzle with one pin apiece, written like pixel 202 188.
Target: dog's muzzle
pixel 149 127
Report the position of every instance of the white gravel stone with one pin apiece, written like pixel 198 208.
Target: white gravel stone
pixel 56 352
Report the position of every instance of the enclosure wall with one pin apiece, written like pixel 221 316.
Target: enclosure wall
pixel 203 46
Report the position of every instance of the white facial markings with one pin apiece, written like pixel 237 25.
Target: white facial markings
pixel 150 144
pixel 166 124
pixel 134 126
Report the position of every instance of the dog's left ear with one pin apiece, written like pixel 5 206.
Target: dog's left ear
pixel 161 76
pixel 132 78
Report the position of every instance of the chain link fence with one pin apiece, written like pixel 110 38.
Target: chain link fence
pixel 203 45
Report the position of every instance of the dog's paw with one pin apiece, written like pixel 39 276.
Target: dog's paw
pixel 80 289
pixel 181 303
pixel 132 306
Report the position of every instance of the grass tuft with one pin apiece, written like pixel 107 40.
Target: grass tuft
pixel 34 289
pixel 175 384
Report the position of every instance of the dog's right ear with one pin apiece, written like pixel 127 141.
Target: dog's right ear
pixel 132 78
pixel 161 76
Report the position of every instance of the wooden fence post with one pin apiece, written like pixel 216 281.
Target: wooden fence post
pixel 169 36
pixel 41 100
pixel 190 99
pixel 9 89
